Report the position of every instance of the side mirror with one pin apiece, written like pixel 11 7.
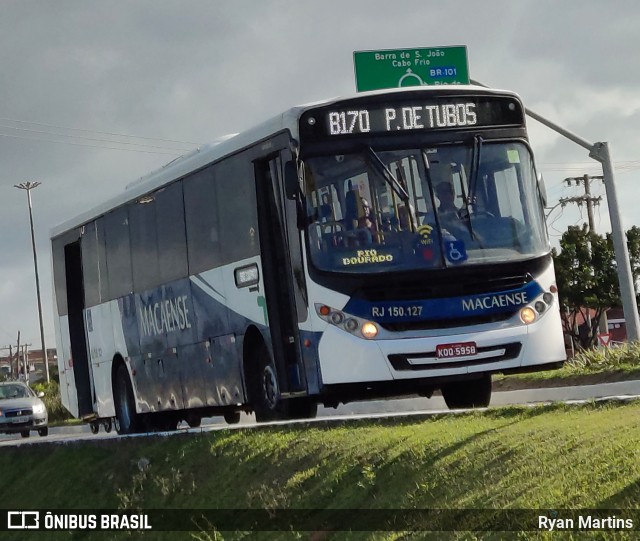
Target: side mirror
pixel 40 394
pixel 543 189
pixel 291 180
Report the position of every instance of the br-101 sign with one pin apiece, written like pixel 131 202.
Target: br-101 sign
pixel 410 67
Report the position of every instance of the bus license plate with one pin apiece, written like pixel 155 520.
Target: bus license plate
pixel 461 349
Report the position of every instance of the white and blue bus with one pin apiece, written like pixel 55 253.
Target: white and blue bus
pixel 387 244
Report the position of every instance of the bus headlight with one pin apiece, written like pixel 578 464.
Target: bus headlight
pixel 369 330
pixel 527 315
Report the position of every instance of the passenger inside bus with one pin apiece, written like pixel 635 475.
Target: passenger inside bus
pixel 447 197
pixel 325 212
pixel 367 230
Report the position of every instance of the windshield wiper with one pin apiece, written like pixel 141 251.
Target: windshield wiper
pixel 468 199
pixel 475 167
pixel 381 168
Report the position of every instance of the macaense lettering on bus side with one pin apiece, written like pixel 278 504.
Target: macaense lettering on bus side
pixel 163 316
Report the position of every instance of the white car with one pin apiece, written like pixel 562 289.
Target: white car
pixel 21 410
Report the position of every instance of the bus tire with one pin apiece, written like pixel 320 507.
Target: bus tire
pixel 303 408
pixel 128 419
pixel 232 417
pixel 265 391
pixel 160 422
pixel 474 393
pixel 193 420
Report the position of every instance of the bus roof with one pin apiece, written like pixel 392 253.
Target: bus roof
pixel 229 144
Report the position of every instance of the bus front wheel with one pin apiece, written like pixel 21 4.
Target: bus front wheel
pixel 125 407
pixel 474 393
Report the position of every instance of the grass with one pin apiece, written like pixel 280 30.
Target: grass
pixel 599 365
pixel 547 457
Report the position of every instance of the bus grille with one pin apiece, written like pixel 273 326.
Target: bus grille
pixel 443 287
pixel 446 286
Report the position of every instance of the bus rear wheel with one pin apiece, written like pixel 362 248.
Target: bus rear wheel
pixel 474 393
pixel 303 408
pixel 265 391
pixel 126 415
pixel 193 420
pixel 232 417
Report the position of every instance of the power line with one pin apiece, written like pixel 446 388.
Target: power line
pixel 587 198
pixel 97 131
pixel 175 153
pixel 40 132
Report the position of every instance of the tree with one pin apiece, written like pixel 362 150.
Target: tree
pixel 586 272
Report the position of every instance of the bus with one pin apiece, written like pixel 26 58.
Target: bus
pixel 386 244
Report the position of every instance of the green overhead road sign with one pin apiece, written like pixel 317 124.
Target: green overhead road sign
pixel 410 67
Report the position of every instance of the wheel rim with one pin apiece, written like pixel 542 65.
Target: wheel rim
pixel 270 387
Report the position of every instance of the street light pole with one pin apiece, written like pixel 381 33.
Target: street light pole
pixel 28 186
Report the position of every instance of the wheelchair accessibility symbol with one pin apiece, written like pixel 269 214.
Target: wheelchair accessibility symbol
pixel 455 251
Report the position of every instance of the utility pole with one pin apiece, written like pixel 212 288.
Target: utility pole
pixel 18 357
pixel 25 363
pixel 603 324
pixel 28 186
pixel 586 198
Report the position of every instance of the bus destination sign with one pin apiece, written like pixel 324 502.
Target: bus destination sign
pixel 416 115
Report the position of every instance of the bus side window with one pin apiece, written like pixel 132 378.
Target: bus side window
pixel 94 264
pixel 200 200
pixel 144 243
pixel 239 239
pixel 118 253
pixel 172 239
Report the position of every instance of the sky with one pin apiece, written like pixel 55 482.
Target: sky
pixel 94 95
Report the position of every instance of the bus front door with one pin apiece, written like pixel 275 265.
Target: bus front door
pixel 279 285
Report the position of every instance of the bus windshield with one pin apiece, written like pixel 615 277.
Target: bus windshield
pixel 434 207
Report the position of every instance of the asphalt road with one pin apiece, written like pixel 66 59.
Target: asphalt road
pixel 408 406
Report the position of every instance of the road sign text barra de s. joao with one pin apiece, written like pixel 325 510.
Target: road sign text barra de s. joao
pixel 410 67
